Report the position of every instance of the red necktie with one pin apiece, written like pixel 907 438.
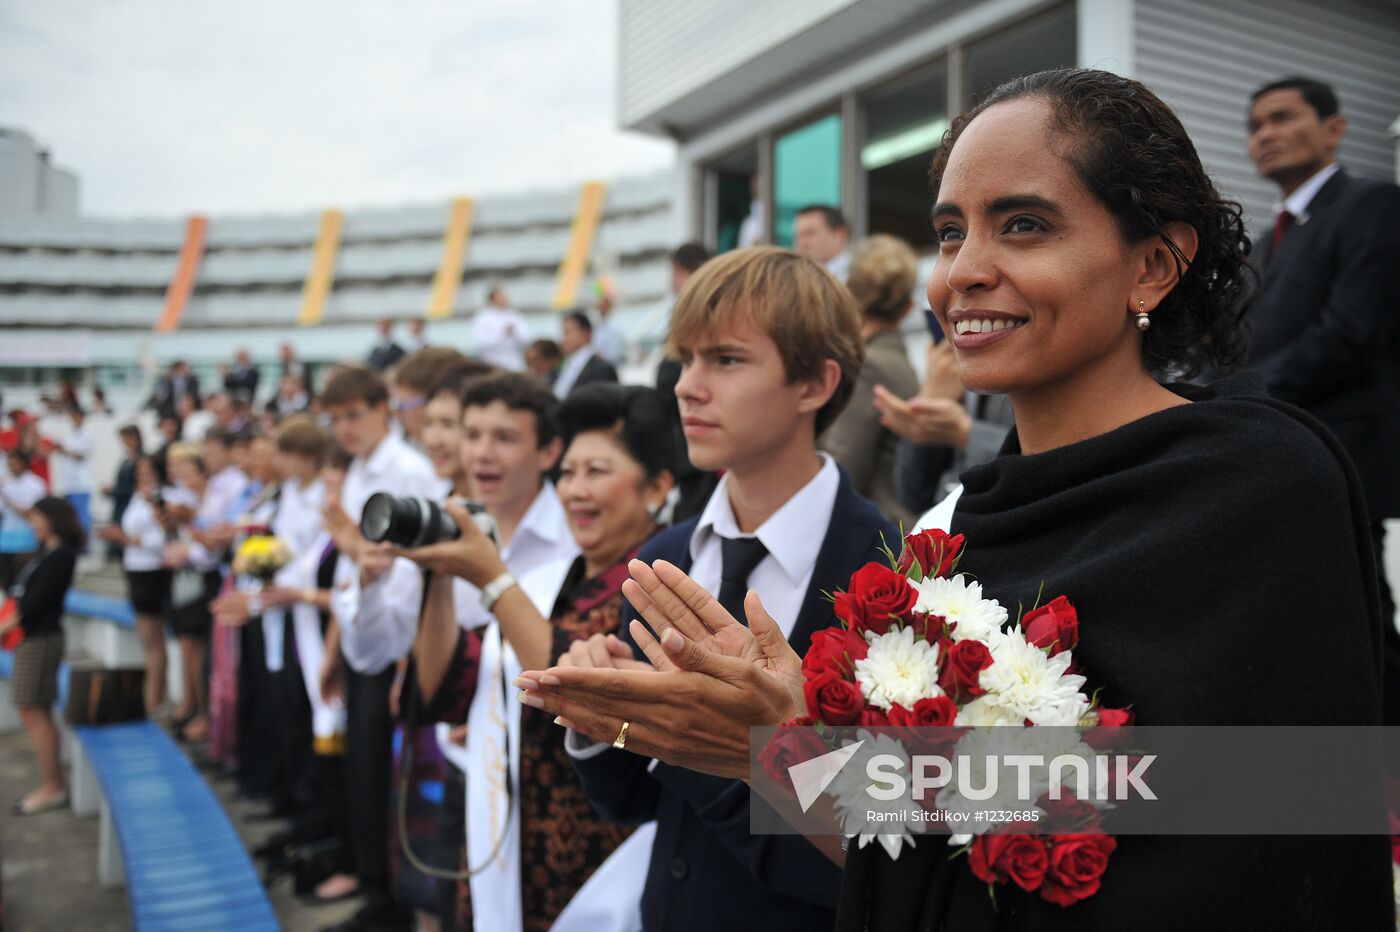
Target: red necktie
pixel 1282 224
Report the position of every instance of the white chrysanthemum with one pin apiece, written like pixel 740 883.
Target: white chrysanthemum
pixel 1023 683
pixel 865 817
pixel 959 600
pixel 898 668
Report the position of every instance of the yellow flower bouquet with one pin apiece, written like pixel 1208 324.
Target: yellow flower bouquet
pixel 261 556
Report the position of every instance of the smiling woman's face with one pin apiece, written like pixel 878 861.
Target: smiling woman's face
pixel 1033 281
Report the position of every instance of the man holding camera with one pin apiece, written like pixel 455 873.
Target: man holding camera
pixel 376 608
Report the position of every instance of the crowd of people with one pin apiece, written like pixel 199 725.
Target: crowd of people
pixel 1068 420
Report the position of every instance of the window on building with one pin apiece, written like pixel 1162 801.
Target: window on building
pixel 904 122
pixel 735 195
pixel 806 171
pixel 1039 43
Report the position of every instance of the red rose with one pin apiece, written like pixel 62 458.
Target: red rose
pixel 998 857
pixel 832 699
pixel 834 648
pixel 1054 625
pixel 794 743
pixel 962 668
pixel 1068 813
pixel 1077 863
pixel 872 717
pixel 1111 730
pixel 927 713
pixel 878 596
pixel 932 628
pixel 934 550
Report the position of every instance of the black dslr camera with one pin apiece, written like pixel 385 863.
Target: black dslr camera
pixel 411 521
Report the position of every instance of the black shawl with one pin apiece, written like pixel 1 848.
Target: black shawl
pixel 1219 557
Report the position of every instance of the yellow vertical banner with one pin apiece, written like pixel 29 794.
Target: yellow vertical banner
pixel 322 274
pixel 454 250
pixel 575 262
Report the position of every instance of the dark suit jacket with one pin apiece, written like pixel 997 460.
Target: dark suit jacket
pixel 1327 326
pixel 242 384
pixel 383 356
pixel 597 369
pixel 708 871
pixel 166 400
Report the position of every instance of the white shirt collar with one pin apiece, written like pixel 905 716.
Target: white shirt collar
pixel 840 265
pixel 793 534
pixel 544 519
pixel 1297 202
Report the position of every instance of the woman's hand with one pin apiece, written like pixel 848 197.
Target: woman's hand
pixel 473 556
pixel 602 652
pixel 112 534
pixel 232 608
pixel 713 679
pixel 279 596
pixel 176 554
pixel 923 420
pixel 941 373
pixel 329 679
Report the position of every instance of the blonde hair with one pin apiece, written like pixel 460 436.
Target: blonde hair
pixel 186 452
pixel 807 313
pixel 883 272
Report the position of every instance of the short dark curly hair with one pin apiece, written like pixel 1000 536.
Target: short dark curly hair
pixel 1132 153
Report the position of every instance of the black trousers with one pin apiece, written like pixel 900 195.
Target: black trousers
pixel 369 742
pixel 260 770
pixel 293 725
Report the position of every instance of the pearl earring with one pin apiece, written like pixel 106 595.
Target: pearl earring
pixel 1142 320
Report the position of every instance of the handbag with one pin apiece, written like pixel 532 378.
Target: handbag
pixel 186 587
pixel 98 696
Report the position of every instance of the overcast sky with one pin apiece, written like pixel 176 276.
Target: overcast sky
pixel 166 107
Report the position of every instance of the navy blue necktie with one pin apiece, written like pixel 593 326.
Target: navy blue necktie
pixel 738 557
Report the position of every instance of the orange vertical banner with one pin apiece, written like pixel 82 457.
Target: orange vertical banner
pixel 454 250
pixel 322 275
pixel 177 295
pixel 575 262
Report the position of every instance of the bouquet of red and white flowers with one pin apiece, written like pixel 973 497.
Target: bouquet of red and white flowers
pixel 920 645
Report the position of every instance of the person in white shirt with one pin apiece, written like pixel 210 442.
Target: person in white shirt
pixel 771 350
pixel 19 490
pixel 820 233
pixel 499 334
pixel 376 614
pixel 608 341
pixel 72 474
pixel 142 534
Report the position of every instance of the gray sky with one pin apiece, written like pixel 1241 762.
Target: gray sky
pixel 165 107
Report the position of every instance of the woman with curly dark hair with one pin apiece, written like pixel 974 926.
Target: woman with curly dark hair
pixel 1086 260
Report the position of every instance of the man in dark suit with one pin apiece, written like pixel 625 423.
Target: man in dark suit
pixel 178 383
pixel 386 352
pixel 757 387
pixel 242 380
pixel 582 364
pixel 1327 316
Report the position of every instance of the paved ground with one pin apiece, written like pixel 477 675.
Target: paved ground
pixel 49 862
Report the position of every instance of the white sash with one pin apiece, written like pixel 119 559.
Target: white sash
pixel 496 904
pixel 611 900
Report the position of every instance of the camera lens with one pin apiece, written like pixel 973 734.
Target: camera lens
pixel 406 521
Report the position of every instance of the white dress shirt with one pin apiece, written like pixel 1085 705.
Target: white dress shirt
pixel 224 490
pixel 17 495
pixel 608 341
pixel 840 266
pixel 71 474
pixel 499 336
pixel 1297 202
pixel 377 623
pixel 139 523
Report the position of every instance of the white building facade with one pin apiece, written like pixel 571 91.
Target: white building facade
pixel 785 103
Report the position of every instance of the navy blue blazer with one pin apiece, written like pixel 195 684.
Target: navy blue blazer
pixel 708 871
